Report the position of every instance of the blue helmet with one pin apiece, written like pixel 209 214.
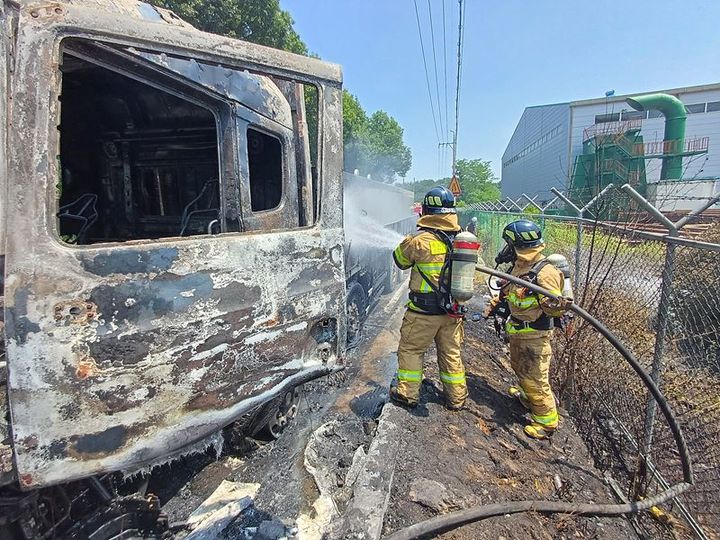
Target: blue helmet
pixel 439 200
pixel 522 233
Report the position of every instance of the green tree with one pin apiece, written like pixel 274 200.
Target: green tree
pixel 355 128
pixel 258 21
pixel 389 156
pixel 477 181
pixel 355 120
pixel 374 144
pixel 421 187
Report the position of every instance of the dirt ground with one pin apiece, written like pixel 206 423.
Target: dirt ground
pixel 454 460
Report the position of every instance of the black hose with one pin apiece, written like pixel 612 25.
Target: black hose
pixel 440 524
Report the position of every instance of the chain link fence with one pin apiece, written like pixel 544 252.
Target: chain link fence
pixel 659 294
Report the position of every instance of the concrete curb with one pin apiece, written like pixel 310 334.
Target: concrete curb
pixel 364 516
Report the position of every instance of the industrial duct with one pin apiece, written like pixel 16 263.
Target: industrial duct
pixel 674 112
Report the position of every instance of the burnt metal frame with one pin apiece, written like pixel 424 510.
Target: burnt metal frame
pixel 44 27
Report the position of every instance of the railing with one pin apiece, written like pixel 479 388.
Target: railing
pixel 697 145
pixel 611 128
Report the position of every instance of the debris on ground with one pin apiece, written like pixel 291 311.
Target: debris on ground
pixel 431 494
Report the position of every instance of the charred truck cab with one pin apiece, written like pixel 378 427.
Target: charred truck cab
pixel 171 234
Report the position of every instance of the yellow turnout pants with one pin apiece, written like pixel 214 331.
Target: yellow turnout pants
pixel 417 334
pixel 530 356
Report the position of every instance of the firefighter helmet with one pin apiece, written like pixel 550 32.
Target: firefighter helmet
pixel 438 200
pixel 522 233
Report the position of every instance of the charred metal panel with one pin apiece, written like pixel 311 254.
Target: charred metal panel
pixel 120 355
pixel 5 59
pixel 121 21
pixel 7 472
pixel 254 91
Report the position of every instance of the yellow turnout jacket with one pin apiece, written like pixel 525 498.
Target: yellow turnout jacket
pixel 426 252
pixel 526 306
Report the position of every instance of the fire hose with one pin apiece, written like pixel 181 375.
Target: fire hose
pixel 453 520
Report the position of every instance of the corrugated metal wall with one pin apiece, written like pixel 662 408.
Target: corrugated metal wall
pixel 536 156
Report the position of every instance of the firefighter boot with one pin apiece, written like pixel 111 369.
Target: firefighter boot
pixel 518 393
pixel 400 399
pixel 538 431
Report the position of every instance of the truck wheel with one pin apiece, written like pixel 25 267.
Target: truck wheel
pixel 278 414
pixel 355 309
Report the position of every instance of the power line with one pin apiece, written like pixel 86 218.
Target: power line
pixel 447 115
pixel 427 77
pixel 437 83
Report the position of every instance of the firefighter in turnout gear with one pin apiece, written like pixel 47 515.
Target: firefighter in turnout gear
pixel 472 226
pixel 427 318
pixel 530 324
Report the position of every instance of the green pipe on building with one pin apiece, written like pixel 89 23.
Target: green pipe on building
pixel 674 112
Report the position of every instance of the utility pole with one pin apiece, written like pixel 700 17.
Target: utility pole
pixel 457 87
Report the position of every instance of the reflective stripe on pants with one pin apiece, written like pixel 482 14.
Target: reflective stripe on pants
pixel 452 378
pixel 409 375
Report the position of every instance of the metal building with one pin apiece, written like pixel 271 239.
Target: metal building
pixel 548 139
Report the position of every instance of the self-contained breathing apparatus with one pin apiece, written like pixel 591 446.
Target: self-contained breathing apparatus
pixel 456 281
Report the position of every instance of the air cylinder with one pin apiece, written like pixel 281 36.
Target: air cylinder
pixel 463 259
pixel 561 263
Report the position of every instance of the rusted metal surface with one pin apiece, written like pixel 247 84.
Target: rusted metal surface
pixel 123 354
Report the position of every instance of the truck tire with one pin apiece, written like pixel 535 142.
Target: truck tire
pixel 355 308
pixel 276 415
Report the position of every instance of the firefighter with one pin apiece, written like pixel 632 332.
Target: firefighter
pixel 426 319
pixel 472 226
pixel 530 324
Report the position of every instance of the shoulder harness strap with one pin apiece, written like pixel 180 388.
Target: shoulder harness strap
pixel 535 270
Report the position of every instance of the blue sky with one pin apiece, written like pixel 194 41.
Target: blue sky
pixel 517 53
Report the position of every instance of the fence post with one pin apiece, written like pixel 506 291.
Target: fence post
pixel 662 310
pixel 578 236
pixel 581 216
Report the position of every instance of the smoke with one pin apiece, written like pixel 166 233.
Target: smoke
pixel 363 231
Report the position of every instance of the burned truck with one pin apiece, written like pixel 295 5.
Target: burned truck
pixel 171 233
